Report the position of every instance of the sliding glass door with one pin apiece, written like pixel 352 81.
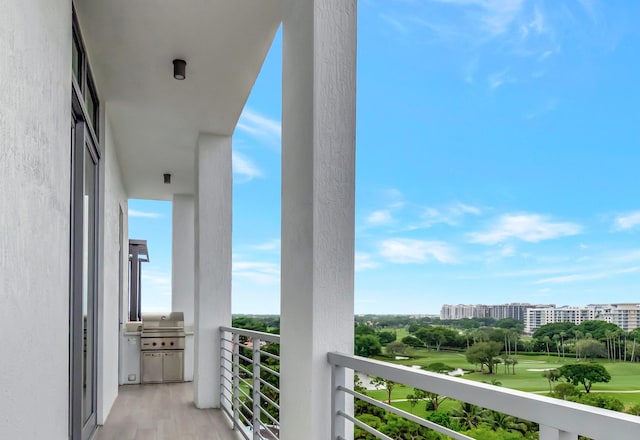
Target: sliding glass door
pixel 84 281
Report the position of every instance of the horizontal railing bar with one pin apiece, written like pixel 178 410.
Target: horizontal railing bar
pixel 244 393
pixel 228 390
pixel 222 348
pixel 560 414
pixel 264 382
pixel 247 368
pixel 224 367
pixel 364 426
pixel 248 423
pixel 227 380
pixel 423 422
pixel 249 384
pixel 269 416
pixel 271 355
pixel 222 338
pixel 269 337
pixel 245 346
pixel 243 357
pixel 262 366
pixel 271 402
pixel 247 408
pixel 268 429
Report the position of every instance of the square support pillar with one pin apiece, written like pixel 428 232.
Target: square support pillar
pixel 212 263
pixel 318 194
pixel 183 269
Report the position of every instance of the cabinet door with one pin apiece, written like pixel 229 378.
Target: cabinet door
pixel 173 366
pixel 152 367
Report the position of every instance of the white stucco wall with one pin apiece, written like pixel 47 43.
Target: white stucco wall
pixel 115 198
pixel 35 121
pixel 183 269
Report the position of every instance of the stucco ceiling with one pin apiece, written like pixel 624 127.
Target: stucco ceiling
pixel 154 118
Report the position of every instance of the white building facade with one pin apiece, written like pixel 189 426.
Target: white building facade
pixel 625 316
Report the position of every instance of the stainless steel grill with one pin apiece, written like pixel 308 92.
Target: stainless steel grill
pixel 162 347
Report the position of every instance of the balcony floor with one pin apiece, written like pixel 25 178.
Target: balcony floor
pixel 163 412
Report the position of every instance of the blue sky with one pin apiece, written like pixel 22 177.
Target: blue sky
pixel 497 156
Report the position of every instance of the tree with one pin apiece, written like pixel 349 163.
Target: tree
pixel 386 337
pixel 565 390
pixel 388 384
pixel 412 341
pixel 585 374
pixel 367 345
pixel 485 353
pixel 416 397
pixel 468 416
pixel 590 349
pixel 396 348
pixel 552 376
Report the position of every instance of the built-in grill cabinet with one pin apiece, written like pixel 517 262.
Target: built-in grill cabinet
pixel 162 347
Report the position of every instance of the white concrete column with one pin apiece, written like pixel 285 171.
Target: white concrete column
pixel 212 263
pixel 183 269
pixel 183 256
pixel 318 175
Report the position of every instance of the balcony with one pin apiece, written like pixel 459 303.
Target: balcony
pixel 164 411
pixel 250 402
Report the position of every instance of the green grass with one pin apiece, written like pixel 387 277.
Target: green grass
pixel 625 375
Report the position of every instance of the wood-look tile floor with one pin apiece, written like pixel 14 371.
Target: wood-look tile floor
pixel 162 412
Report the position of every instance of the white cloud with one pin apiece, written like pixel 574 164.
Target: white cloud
pixel 587 276
pixel 494 16
pixel 141 214
pixel 627 221
pixel 364 261
pixel 155 282
pixel 496 79
pixel 244 167
pixel 451 214
pixel 257 271
pixel 381 217
pixel 270 245
pixel 531 228
pixel 258 125
pixel 404 250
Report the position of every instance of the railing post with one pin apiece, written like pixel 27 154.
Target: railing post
pixel 550 433
pixel 236 380
pixel 338 402
pixel 256 389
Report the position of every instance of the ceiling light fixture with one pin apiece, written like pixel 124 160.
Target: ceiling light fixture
pixel 179 69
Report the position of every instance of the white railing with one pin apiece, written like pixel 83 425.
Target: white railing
pixel 247 397
pixel 558 419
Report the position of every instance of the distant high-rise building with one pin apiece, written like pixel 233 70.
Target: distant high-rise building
pixel 625 316
pixel 497 311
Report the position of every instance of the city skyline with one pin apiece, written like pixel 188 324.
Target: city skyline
pixel 496 161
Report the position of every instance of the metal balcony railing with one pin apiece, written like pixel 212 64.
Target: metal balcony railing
pixel 558 419
pixel 250 378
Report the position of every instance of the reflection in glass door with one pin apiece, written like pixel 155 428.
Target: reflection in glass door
pixel 84 290
pixel 88 286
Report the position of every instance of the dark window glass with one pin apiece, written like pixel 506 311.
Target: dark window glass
pixel 77 60
pixel 92 105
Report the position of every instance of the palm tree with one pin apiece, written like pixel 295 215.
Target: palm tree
pixel 546 340
pixel 556 339
pixel 552 376
pixel 468 416
pixel 498 420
